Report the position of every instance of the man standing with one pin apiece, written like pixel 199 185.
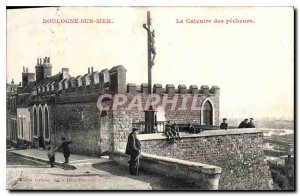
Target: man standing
pixel 65 147
pixel 133 148
pixel 243 124
pixel 250 124
pixel 224 124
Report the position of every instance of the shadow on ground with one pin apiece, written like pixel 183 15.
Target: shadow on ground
pixel 157 182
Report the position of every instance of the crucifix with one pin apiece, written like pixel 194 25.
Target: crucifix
pixel 151 50
pixel 150 114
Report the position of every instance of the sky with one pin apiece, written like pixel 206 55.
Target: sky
pixel 252 63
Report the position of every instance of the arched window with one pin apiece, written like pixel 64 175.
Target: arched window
pixel 207 113
pixel 35 124
pixel 41 130
pixel 46 123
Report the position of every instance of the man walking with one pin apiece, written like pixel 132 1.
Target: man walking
pixel 65 147
pixel 133 149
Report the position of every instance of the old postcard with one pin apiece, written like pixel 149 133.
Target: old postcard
pixel 150 98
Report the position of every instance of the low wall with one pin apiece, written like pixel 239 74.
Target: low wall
pixel 239 152
pixel 205 176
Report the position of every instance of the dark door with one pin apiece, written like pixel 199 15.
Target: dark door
pixel 207 113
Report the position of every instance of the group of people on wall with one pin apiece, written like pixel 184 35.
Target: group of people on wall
pixel 244 124
pixel 133 147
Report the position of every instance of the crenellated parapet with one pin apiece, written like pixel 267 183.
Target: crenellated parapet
pixel 93 82
pixel 106 81
pixel 170 89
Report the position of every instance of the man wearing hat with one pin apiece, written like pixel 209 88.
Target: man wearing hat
pixel 243 124
pixel 250 124
pixel 224 124
pixel 133 148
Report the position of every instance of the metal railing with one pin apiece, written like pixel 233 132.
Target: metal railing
pixel 160 127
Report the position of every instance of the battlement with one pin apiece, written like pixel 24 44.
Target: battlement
pixel 92 82
pixel 170 89
pixel 106 81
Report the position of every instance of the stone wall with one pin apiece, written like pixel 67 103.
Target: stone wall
pixel 122 118
pixel 238 152
pixel 80 123
pixel 203 176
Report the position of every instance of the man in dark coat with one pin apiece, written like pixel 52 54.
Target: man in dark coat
pixel 65 147
pixel 224 124
pixel 133 149
pixel 250 124
pixel 243 124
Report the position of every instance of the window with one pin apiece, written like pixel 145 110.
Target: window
pixel 23 126
pixel 19 126
pixel 47 135
pixel 35 120
pixel 41 130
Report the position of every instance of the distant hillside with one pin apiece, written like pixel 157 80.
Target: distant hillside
pixel 273 123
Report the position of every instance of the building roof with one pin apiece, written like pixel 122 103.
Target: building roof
pixel 33 84
pixel 28 88
pixel 55 78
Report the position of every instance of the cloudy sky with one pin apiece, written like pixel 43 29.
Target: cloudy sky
pixel 252 63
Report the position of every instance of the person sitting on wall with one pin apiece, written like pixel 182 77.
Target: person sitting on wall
pixel 65 146
pixel 224 124
pixel 175 131
pixel 243 124
pixel 250 124
pixel 133 149
pixel 191 129
pixel 168 131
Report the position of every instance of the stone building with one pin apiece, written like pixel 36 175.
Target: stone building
pixel 11 112
pixel 48 107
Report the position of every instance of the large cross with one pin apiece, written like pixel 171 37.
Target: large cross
pixel 151 50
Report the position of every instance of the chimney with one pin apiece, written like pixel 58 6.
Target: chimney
pixel 92 69
pixel 65 73
pixel 27 69
pixel 12 81
pixel 43 69
pixel 23 69
pixel 37 61
pixel 88 70
pixel 31 77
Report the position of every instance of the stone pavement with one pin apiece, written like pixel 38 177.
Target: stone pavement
pixel 91 174
pixel 41 155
